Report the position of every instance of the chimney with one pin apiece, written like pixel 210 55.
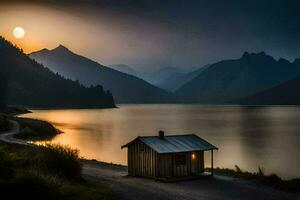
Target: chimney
pixel 161 134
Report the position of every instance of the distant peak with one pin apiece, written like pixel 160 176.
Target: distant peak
pixel 297 61
pixel 257 56
pixel 262 53
pixel 44 50
pixel 61 48
pixel 247 54
pixel 282 60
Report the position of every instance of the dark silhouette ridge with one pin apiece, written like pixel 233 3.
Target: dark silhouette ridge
pixel 126 88
pixel 125 69
pixel 230 80
pixel 287 93
pixel 297 61
pixel 3 88
pixel 31 84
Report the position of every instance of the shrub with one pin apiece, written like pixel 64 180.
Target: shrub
pixel 59 160
pixel 238 169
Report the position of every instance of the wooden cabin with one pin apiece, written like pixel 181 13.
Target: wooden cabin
pixel 167 157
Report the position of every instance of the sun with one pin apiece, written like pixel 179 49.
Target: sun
pixel 19 32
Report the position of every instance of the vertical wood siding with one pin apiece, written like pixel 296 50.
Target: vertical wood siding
pixel 141 160
pixel 144 161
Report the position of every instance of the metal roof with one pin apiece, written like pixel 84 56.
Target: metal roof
pixel 175 143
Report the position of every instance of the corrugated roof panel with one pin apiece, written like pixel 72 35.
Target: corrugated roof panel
pixel 177 143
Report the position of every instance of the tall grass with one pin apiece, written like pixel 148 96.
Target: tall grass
pixel 4 124
pixel 45 172
pixel 58 159
pixel 260 177
pixel 33 184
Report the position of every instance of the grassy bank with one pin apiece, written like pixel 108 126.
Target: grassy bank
pixel 45 172
pixel 33 129
pixel 4 124
pixel 30 129
pixel 272 180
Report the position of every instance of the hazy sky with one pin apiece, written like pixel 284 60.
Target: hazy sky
pixel 156 33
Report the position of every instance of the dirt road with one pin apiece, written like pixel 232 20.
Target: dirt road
pixel 129 188
pixel 8 136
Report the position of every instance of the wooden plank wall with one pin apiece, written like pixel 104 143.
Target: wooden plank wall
pixel 165 163
pixel 142 160
pixel 182 170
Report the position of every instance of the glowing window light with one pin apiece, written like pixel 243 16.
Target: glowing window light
pixel 193 156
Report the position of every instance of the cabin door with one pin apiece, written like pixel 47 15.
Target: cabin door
pixel 194 163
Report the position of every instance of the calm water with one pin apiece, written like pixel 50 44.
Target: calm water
pixel 246 136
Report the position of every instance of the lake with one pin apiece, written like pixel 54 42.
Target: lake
pixel 246 136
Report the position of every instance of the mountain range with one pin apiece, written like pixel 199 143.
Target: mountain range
pixel 28 83
pixel 254 78
pixel 229 81
pixel 125 69
pixel 287 93
pixel 126 88
pixel 175 81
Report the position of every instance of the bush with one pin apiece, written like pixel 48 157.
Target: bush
pixel 272 180
pixel 59 160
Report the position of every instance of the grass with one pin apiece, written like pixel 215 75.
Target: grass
pixel 272 180
pixel 4 124
pixel 45 172
pixel 33 129
pixel 51 157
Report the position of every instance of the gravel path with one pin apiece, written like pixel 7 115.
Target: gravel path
pixel 131 188
pixel 8 136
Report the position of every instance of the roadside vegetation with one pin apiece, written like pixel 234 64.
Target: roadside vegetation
pixel 272 180
pixel 45 172
pixel 4 124
pixel 33 129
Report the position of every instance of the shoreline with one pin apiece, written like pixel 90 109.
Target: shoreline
pixel 244 175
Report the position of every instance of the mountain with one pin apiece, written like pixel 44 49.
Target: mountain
pixel 28 83
pixel 125 69
pixel 287 93
pixel 175 81
pixel 126 88
pixel 230 80
pixel 157 76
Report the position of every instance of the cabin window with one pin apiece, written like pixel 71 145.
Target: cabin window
pixel 180 159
